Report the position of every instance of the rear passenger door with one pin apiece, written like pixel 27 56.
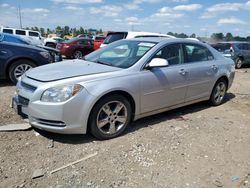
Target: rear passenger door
pixel 201 68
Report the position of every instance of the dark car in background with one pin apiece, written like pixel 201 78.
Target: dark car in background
pixel 55 54
pixel 98 41
pixel 76 47
pixel 16 59
pixel 238 51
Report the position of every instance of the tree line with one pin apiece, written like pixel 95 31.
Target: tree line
pixel 66 30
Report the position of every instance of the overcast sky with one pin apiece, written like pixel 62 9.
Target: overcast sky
pixel 188 16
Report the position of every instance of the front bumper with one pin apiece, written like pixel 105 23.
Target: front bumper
pixel 69 117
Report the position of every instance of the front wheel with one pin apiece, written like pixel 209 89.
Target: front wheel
pixel 219 92
pixel 110 117
pixel 18 68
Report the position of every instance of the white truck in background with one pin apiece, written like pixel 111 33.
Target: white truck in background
pixel 33 37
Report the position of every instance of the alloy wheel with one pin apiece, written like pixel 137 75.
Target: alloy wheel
pixel 21 69
pixel 220 92
pixel 112 117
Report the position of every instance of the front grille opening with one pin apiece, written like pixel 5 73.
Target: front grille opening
pixel 28 86
pixel 23 101
pixel 50 122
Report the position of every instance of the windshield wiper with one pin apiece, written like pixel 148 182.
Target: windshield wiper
pixel 103 63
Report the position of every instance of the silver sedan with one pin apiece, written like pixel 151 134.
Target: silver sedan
pixel 120 83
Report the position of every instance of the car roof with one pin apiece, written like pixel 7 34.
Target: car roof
pixel 132 34
pixel 163 39
pixel 230 42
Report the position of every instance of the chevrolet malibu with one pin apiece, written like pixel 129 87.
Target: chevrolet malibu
pixel 122 82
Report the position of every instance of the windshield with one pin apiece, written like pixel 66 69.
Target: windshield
pixel 122 54
pixel 71 40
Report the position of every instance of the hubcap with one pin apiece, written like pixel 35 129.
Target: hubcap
pixel 220 92
pixel 21 69
pixel 78 55
pixel 112 117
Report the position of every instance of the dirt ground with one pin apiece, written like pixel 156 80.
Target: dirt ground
pixel 195 146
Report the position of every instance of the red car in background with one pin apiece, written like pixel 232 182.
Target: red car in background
pixel 76 47
pixel 98 41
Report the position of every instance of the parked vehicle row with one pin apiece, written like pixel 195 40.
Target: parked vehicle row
pixel 238 51
pixel 124 81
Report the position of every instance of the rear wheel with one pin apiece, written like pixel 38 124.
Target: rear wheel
pixel 78 54
pixel 18 68
pixel 238 63
pixel 219 92
pixel 110 117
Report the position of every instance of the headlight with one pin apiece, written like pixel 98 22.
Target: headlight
pixel 45 54
pixel 61 94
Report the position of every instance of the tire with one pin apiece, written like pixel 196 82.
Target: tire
pixel 109 117
pixel 238 63
pixel 78 54
pixel 219 92
pixel 18 68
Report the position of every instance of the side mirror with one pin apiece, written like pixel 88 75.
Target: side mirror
pixel 157 62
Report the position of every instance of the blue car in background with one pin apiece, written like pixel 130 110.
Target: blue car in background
pixel 55 54
pixel 16 57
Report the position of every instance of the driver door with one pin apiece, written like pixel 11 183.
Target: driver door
pixel 164 86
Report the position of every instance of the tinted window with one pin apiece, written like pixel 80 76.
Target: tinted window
pixel 20 32
pixel 222 47
pixel 114 37
pixel 100 38
pixel 10 31
pixel 173 53
pixel 33 34
pixel 196 53
pixel 244 46
pixel 84 42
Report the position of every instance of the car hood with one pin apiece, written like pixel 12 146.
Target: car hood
pixel 68 69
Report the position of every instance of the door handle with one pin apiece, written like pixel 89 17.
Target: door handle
pixel 214 67
pixel 183 72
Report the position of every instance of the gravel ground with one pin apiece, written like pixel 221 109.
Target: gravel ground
pixel 194 146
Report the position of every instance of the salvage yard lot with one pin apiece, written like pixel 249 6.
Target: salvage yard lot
pixel 194 146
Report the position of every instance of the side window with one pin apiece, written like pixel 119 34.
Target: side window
pixel 142 50
pixel 33 34
pixel 10 31
pixel 196 53
pixel 247 46
pixel 173 53
pixel 84 42
pixel 20 32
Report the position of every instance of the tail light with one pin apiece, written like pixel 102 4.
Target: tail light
pixel 66 46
